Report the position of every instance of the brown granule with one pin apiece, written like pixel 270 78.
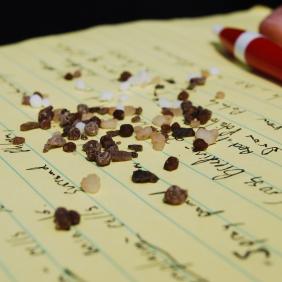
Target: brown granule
pixel 174 195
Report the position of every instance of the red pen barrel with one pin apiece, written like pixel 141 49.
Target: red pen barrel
pixel 254 49
pixel 266 56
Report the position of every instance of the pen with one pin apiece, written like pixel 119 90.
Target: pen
pixel 253 49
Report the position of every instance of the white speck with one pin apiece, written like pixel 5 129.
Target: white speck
pixel 164 103
pixel 79 84
pixel 106 96
pixel 142 77
pixel 45 102
pixel 123 98
pixel 176 104
pixel 124 85
pixel 35 101
pixel 120 107
pixel 80 125
pixel 214 71
pixel 193 75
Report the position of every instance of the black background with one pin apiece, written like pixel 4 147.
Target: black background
pixel 20 21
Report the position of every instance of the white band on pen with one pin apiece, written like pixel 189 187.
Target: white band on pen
pixel 242 43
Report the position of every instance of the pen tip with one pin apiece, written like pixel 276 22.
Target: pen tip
pixel 217 29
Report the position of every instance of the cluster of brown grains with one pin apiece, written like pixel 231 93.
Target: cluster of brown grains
pixel 64 218
pixel 70 76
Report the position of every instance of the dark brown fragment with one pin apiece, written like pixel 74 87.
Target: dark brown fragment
pixel 29 125
pixel 182 132
pixel 159 86
pixel 91 128
pixel 77 74
pixel 138 111
pixel 103 110
pixel 135 119
pixel 69 147
pixel 74 133
pixel 183 96
pixel 124 76
pixel 18 140
pixel 174 195
pixel 121 156
pixel 134 155
pixel 45 124
pixel 118 114
pixel 74 217
pixel 25 100
pixel 62 219
pixel 103 158
pixel 96 119
pixel 107 141
pixel 199 145
pixel 143 176
pixel 165 128
pixel 46 114
pixel 170 80
pixel 92 145
pixel 135 147
pixel 126 130
pixel 68 76
pixel 167 112
pixel 171 164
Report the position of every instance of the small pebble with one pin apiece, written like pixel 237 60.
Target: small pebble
pixel 144 133
pixel 69 147
pixel 55 141
pixel 74 133
pixel 171 164
pixel 103 158
pixel 62 219
pixel 181 132
pixel 136 119
pixel 159 120
pixel 81 126
pixel 199 145
pixel 77 74
pixel 183 96
pixel 158 141
pixel 29 126
pixel 126 130
pixel 138 111
pixel 25 100
pixel 135 147
pixel 209 136
pixel 219 95
pixel 91 183
pixel 143 176
pixel 107 141
pixel 118 114
pixel 129 110
pixel 174 195
pixel 45 124
pixel 91 128
pixel 109 124
pixel 121 156
pixel 18 140
pixel 92 145
pixel 124 76
pixel 35 101
pixel 74 217
pixel 68 76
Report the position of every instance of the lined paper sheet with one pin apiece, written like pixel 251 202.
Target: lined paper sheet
pixel 230 227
